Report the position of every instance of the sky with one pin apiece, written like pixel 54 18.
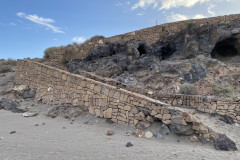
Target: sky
pixel 28 27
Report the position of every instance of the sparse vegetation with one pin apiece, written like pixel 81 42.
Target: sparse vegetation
pixel 9 62
pixel 117 40
pixel 40 60
pixel 67 56
pixel 5 68
pixel 6 65
pixel 188 89
pixel 48 53
pixel 222 90
pixel 94 39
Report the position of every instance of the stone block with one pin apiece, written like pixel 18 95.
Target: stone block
pixel 153 113
pixel 141 114
pixel 64 77
pixel 238 118
pixel 134 110
pixel 135 122
pixel 75 102
pixel 178 120
pixel 196 126
pixel 213 107
pixel 97 89
pixel 122 119
pixel 97 112
pixel 91 86
pixel 108 113
pixel 166 116
pixel 116 95
pixel 203 129
pixel 127 108
pixel 160 116
pixel 150 119
pixel 91 110
pixel 167 122
pixel 83 83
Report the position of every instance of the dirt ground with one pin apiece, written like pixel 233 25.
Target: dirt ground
pixel 46 138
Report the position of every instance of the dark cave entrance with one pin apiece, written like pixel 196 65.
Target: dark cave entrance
pixel 167 51
pixel 226 49
pixel 141 49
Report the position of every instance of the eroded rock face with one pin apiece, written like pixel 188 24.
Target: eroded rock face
pixel 189 56
pixel 224 143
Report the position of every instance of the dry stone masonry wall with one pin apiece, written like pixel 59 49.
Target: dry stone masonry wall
pixel 55 86
pixel 222 106
pixel 149 35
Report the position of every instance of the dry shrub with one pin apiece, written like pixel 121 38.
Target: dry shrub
pixel 9 62
pixel 5 68
pixel 94 39
pixel 67 56
pixel 188 89
pixel 48 53
pixel 222 90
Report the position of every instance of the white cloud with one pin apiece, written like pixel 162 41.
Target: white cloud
pixel 12 24
pixel 167 4
pixel 180 17
pixel 144 3
pixel 210 10
pixel 40 20
pixel 118 4
pixel 176 17
pixel 198 16
pixel 79 39
pixel 140 14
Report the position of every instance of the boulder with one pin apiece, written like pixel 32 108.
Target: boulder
pixel 148 134
pixel 10 105
pixel 139 133
pixel 223 143
pixel 227 119
pixel 181 129
pixel 29 93
pixel 110 132
pixel 29 114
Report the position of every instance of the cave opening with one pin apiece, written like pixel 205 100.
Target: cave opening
pixel 141 49
pixel 225 49
pixel 167 51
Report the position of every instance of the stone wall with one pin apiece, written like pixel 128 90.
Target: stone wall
pixel 55 86
pixel 206 104
pixel 150 35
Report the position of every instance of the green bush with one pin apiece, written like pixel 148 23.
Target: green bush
pixel 48 53
pixel 222 90
pixel 5 68
pixel 188 89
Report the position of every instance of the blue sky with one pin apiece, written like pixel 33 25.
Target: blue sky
pixel 28 27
